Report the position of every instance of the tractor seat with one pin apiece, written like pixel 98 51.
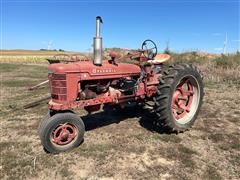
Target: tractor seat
pixel 159 59
pixel 113 54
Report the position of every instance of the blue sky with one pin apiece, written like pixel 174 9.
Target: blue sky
pixel 70 25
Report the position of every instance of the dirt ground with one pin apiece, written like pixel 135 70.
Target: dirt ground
pixel 121 145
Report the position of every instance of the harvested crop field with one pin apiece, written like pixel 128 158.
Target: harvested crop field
pixel 124 145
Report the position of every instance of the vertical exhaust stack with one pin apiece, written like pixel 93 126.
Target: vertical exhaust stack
pixel 97 43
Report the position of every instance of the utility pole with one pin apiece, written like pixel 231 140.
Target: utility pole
pixel 49 45
pixel 225 45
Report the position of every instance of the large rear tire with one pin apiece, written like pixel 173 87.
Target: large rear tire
pixel 179 97
pixel 61 132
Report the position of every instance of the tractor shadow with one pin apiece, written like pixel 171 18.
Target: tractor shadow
pixel 111 116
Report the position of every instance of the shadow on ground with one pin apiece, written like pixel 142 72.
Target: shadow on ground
pixel 110 116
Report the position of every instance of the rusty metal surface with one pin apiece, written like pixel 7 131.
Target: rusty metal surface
pixel 38 85
pixel 37 102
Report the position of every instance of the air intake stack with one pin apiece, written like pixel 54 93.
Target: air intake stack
pixel 97 43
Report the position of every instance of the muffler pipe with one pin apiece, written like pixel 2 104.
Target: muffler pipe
pixel 97 43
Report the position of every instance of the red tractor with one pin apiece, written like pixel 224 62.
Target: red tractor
pixel 175 93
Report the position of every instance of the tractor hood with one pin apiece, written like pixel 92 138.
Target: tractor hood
pixel 93 70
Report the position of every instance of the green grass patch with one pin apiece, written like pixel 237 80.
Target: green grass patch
pixel 95 150
pixel 226 142
pixel 18 83
pixel 187 150
pixel 211 173
pixel 167 138
pixel 228 61
pixel 182 154
pixel 6 67
pixel 24 70
pixel 16 160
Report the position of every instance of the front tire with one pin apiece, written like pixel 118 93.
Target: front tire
pixel 179 97
pixel 61 132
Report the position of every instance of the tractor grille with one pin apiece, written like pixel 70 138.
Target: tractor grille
pixel 58 86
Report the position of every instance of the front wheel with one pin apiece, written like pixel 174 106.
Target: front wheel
pixel 179 97
pixel 61 132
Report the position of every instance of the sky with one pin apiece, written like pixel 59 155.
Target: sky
pixel 70 25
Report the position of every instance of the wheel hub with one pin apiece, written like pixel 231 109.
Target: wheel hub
pixel 64 134
pixel 182 99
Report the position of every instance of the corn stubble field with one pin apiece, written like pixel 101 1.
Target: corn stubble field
pixel 123 145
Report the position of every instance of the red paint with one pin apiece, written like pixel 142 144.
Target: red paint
pixel 64 134
pixel 66 81
pixel 88 68
pixel 182 99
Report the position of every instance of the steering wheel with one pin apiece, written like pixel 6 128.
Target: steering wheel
pixel 149 49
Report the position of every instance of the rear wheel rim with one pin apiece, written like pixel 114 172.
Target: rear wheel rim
pixel 185 99
pixel 64 134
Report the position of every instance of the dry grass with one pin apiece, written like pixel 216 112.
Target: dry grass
pixel 24 59
pixel 21 52
pixel 216 69
pixel 123 145
pixel 29 56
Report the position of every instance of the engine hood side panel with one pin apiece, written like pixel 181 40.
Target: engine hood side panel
pixel 107 69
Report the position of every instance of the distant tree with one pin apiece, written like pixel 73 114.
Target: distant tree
pixel 61 50
pixel 238 52
pixel 167 49
pixel 194 53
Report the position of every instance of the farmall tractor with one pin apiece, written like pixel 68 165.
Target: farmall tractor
pixel 175 92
